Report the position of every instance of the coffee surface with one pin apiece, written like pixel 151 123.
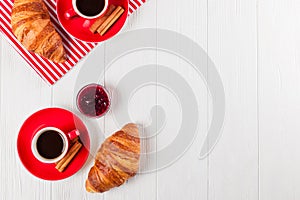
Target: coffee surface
pixel 50 144
pixel 90 7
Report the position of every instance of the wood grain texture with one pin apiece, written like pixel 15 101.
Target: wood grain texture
pixel 22 93
pixel 279 97
pixel 233 165
pixel 142 186
pixel 255 46
pixel 187 177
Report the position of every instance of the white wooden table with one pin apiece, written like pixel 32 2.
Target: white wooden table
pixel 255 46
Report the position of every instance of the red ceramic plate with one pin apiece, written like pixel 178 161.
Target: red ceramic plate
pixel 55 117
pixel 75 26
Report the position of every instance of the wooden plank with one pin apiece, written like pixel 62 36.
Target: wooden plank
pixel 22 93
pixel 233 165
pixel 187 177
pixel 143 185
pixel 279 40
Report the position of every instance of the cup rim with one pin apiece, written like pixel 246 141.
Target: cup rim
pixel 89 17
pixel 34 146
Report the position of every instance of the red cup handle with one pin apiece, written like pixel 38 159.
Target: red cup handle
pixel 70 13
pixel 73 134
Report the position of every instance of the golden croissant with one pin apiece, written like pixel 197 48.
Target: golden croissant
pixel 116 161
pixel 31 25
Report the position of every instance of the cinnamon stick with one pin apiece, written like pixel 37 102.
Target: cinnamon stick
pixel 71 150
pixel 110 20
pixel 69 159
pixel 100 21
pixel 65 161
pixel 74 140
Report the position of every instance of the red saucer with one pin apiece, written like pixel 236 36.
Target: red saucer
pixel 54 117
pixel 75 25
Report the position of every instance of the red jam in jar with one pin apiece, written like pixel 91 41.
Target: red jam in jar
pixel 93 100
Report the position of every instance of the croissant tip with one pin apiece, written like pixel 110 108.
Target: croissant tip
pixel 131 129
pixel 88 188
pixel 130 125
pixel 63 59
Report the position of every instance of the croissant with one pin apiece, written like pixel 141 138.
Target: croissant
pixel 31 25
pixel 116 161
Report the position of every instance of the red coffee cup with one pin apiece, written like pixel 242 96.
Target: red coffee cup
pixel 51 144
pixel 88 9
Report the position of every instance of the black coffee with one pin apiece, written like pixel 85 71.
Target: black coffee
pixel 90 7
pixel 50 144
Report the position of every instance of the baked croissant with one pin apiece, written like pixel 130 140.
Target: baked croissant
pixel 31 25
pixel 116 161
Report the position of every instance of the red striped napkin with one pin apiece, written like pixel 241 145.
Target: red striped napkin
pixel 49 71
